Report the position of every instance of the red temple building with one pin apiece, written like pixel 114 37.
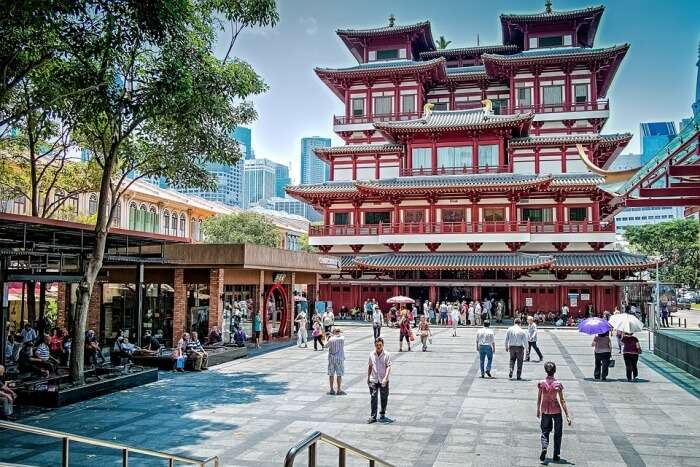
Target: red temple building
pixel 461 175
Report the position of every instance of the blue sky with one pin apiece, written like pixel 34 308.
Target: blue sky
pixel 655 82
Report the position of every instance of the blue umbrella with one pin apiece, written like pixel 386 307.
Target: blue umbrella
pixel 594 326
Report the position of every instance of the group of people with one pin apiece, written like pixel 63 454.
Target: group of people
pixel 320 328
pixel 189 348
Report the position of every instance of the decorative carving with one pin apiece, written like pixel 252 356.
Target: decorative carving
pixel 561 275
pixel 432 247
pixel 597 246
pixel 474 246
pixel 324 248
pixel 356 248
pixel 514 246
pixel 395 247
pixel 560 246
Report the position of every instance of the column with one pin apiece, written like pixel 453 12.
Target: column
pixel 397 101
pixel 536 90
pixel 475 213
pixel 452 98
pixel 354 167
pixel 434 154
pixel 290 307
pixel 331 174
pixel 216 291
pixel 326 215
pixel 376 166
pixel 501 154
pixel 567 90
pixel 513 217
pixel 476 292
pixel 139 302
pixel 368 110
pixel 560 213
pixel 432 294
pixel 537 160
pixel 179 303
pixel 511 95
pixel 513 297
pixel 347 105
pixel 356 217
pixel 261 305
pixel 594 86
pixel 595 214
pixel 397 213
pixel 563 159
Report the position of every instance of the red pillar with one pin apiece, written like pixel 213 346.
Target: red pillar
pixel 354 168
pixel 369 102
pixel 537 160
pixel 216 290
pixel 476 292
pixel 179 304
pixel 511 97
pixel 563 159
pixel 567 90
pixel 347 105
pixel 397 101
pixel 536 90
pixel 434 155
pixel 432 294
pixel 594 86
pixel 331 174
pixel 513 298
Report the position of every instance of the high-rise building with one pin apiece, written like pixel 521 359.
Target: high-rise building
pixel 259 184
pixel 655 135
pixel 483 193
pixel 696 104
pixel 243 136
pixel 293 206
pixel 282 179
pixel 313 169
pixel 228 181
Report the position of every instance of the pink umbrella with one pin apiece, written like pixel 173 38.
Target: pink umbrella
pixel 401 300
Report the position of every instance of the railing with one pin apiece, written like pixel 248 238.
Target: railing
pixel 355 119
pixel 458 228
pixel 311 441
pixel 464 170
pixel 553 108
pixel 68 439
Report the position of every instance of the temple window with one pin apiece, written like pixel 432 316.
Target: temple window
pixel 440 106
pixel 92 204
pixel 488 155
pixel 341 218
pixel 342 173
pixel 166 222
pixel 117 217
pixel 525 97
pixel 377 217
pixel 414 216
pixel 382 105
pixel 408 104
pixel 537 214
pixel 358 107
pixel 454 157
pixel 578 214
pixel 580 93
pixel 551 41
pixel 421 158
pixel 500 106
pixel 494 214
pixel 453 215
pixel 365 173
pixel 551 95
pixel 387 54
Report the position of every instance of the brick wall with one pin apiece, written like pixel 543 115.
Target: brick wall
pixel 61 304
pixel 93 320
pixel 216 289
pixel 179 305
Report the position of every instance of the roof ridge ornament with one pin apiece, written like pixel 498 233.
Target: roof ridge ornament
pixel 427 110
pixel 548 6
pixel 392 20
pixel 488 108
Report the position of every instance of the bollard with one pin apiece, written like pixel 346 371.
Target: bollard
pixel 685 323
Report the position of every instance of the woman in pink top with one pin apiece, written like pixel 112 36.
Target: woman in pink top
pixel 550 402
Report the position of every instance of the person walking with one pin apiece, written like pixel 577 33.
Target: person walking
pixel 316 333
pixel 516 341
pixel 470 314
pixel 404 333
pixel 302 333
pixel 377 321
pixel 443 313
pixel 664 316
pixel 378 371
pixel 500 306
pixel 328 320
pixel 630 353
pixel 602 350
pixel 477 312
pixel 486 346
pixel 564 312
pixel 455 319
pixel 550 403
pixel 431 312
pixel 257 329
pixel 336 361
pixel 532 339
pixel 424 332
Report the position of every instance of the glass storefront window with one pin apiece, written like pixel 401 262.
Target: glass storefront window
pixel 198 310
pixel 239 309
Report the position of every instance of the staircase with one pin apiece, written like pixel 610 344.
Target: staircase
pixel 310 443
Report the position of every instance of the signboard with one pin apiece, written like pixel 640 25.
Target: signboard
pixel 528 301
pixel 332 263
pixel 278 277
pixel 585 297
pixel 573 300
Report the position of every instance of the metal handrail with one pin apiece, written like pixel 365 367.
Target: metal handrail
pixel 315 437
pixel 67 438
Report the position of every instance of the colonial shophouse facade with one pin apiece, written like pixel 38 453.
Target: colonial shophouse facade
pixel 461 176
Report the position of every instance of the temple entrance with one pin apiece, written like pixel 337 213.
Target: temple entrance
pixel 454 294
pixel 419 294
pixel 496 293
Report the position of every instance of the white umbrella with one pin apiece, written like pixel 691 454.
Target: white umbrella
pixel 401 300
pixel 625 322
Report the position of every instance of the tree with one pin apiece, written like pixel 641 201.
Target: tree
pixel 442 43
pixel 245 227
pixel 149 97
pixel 304 244
pixel 678 245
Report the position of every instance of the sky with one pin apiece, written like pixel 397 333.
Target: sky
pixel 656 81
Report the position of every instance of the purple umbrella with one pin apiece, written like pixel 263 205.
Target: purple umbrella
pixel 594 326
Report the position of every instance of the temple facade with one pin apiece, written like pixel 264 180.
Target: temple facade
pixel 465 172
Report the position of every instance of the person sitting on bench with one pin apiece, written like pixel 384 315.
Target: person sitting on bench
pixel 196 353
pixel 93 352
pixel 215 337
pixel 239 338
pixel 29 363
pixel 7 397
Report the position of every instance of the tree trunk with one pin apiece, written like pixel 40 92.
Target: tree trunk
pixel 31 302
pixel 42 300
pixel 86 284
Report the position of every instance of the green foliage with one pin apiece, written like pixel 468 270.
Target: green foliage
pixel 304 244
pixel 245 227
pixel 442 43
pixel 676 242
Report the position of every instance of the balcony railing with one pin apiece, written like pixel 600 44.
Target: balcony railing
pixel 553 108
pixel 464 170
pixel 458 228
pixel 355 119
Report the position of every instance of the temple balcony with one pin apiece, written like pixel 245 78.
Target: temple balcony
pixel 458 232
pixel 364 122
pixel 463 170
pixel 599 109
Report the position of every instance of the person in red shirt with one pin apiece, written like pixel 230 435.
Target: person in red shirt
pixel 630 352
pixel 404 333
pixel 550 403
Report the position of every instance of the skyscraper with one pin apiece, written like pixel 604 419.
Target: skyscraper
pixel 293 206
pixel 243 136
pixel 313 169
pixel 282 179
pixel 259 184
pixel 655 135
pixel 696 104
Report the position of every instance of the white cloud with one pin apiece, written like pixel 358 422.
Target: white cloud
pixel 309 24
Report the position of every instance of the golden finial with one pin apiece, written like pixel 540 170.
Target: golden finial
pixel 392 18
pixel 548 6
pixel 488 106
pixel 428 109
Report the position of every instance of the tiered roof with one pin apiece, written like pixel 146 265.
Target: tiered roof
pixel 470 51
pixel 327 153
pixel 419 34
pixel 583 21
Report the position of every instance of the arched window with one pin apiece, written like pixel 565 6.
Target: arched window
pixel 143 212
pixel 173 224
pixel 153 220
pixel 117 218
pixel 133 215
pixel 92 204
pixel 166 222
pixel 182 225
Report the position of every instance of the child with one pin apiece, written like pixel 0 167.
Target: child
pixel 316 333
pixel 550 403
pixel 178 359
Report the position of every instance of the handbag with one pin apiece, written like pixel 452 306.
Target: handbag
pixel 611 363
pixel 430 340
pixel 412 337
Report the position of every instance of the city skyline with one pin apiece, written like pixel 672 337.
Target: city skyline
pixel 307 32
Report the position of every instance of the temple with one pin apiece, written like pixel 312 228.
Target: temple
pixel 466 173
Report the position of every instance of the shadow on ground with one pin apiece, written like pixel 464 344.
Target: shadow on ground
pixel 178 410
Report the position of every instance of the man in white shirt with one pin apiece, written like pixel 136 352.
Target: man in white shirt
pixel 532 339
pixel 564 312
pixel 516 342
pixel 378 371
pixel 336 360
pixel 377 321
pixel 486 346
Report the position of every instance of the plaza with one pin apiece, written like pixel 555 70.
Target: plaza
pixel 250 412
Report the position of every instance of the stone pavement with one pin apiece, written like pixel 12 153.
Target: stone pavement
pixel 250 411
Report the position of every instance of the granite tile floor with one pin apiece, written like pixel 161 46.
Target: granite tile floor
pixel 249 412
